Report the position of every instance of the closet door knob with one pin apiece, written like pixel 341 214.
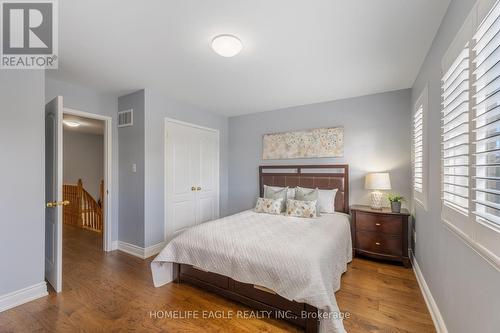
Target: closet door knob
pixel 193 188
pixel 198 188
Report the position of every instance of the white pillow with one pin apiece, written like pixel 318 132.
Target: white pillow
pixel 290 193
pixel 326 200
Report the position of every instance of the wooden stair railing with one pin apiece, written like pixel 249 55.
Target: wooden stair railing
pixel 83 210
pixel 101 195
pixel 72 212
pixel 91 212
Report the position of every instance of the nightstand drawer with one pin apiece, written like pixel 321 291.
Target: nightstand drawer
pixel 379 243
pixel 379 223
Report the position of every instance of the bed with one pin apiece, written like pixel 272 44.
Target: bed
pixel 289 267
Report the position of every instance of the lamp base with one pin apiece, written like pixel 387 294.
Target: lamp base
pixel 376 200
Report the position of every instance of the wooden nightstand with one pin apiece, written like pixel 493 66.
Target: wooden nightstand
pixel 380 234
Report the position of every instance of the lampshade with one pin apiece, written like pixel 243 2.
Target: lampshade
pixel 378 181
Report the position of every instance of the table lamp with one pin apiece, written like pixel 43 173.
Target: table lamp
pixel 377 181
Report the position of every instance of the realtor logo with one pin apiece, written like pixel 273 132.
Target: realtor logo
pixel 29 37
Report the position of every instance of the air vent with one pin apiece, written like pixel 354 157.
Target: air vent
pixel 126 118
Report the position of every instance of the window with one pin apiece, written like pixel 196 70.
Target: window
pixel 486 109
pixel 470 132
pixel 418 137
pixel 455 134
pixel 419 156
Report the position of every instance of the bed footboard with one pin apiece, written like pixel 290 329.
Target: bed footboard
pixel 300 314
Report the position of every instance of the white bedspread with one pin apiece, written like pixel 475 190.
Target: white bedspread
pixel 300 259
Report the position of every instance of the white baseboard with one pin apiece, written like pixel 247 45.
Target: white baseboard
pixel 131 249
pixel 22 296
pixel 138 251
pixel 154 249
pixel 429 300
pixel 114 245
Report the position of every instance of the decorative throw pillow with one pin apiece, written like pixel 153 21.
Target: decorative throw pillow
pixel 308 194
pixel 326 199
pixel 290 193
pixel 269 206
pixel 281 193
pixel 301 208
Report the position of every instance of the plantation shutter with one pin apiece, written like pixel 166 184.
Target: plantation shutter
pixel 455 134
pixel 418 149
pixel 486 110
pixel 471 132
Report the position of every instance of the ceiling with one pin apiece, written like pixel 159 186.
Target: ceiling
pixel 294 52
pixel 87 125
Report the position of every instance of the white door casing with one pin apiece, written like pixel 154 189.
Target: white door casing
pixel 191 176
pixel 53 192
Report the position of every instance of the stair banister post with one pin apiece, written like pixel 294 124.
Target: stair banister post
pixel 79 196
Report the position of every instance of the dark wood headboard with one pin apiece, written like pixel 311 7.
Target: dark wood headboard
pixel 324 177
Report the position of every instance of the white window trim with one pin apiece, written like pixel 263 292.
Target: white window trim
pixel 471 233
pixel 421 198
pixel 489 257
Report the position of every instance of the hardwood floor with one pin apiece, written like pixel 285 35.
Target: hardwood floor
pixel 113 292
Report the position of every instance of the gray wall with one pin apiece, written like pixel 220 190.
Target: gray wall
pixel 142 193
pixel 22 178
pixel 376 136
pixel 131 151
pixel 83 158
pixel 465 287
pixel 86 99
pixel 159 106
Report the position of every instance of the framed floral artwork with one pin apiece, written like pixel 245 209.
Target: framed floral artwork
pixel 318 142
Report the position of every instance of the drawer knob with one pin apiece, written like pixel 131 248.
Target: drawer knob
pixel 377 224
pixel 377 243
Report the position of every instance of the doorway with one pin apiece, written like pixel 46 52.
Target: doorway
pixel 83 172
pixel 83 182
pixel 77 197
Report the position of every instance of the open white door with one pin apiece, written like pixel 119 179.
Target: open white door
pixel 53 192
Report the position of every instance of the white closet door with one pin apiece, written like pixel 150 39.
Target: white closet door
pixel 208 176
pixel 180 204
pixel 192 176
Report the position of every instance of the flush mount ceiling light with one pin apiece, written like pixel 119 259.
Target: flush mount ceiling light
pixel 71 123
pixel 226 45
